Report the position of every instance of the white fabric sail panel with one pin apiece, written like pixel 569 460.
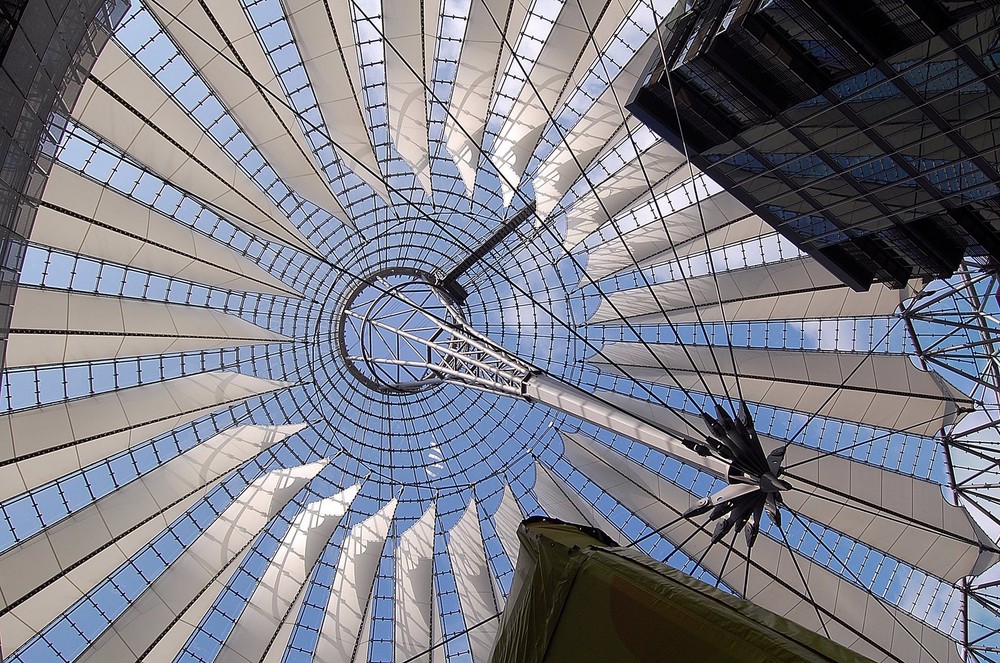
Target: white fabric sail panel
pixel 91 536
pixel 122 230
pixel 223 47
pixel 789 290
pixel 41 444
pixel 567 49
pixel 414 595
pixel 37 610
pixel 555 498
pixel 906 517
pixel 324 35
pixel 60 326
pixel 749 227
pixel 490 34
pixel 607 20
pixel 161 134
pixel 657 168
pixel 912 521
pixel 285 577
pixel 362 649
pixel 666 234
pixel 410 32
pixel 881 390
pixel 181 632
pixel 474 582
pixel 222 544
pixel 854 617
pixel 437 626
pixel 506 519
pixel 70 540
pixel 563 502
pixel 344 622
pixel 276 651
pixel 570 158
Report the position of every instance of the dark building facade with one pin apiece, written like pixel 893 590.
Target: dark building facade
pixel 866 131
pixel 46 49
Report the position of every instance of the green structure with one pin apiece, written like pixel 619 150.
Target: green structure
pixel 578 596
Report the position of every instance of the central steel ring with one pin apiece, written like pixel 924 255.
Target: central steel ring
pixel 388 325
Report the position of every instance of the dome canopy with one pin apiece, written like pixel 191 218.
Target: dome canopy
pixel 323 298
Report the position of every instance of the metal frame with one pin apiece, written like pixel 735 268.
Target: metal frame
pixel 955 329
pixel 455 352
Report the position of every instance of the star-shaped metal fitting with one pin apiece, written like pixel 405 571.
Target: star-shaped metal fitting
pixel 754 483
